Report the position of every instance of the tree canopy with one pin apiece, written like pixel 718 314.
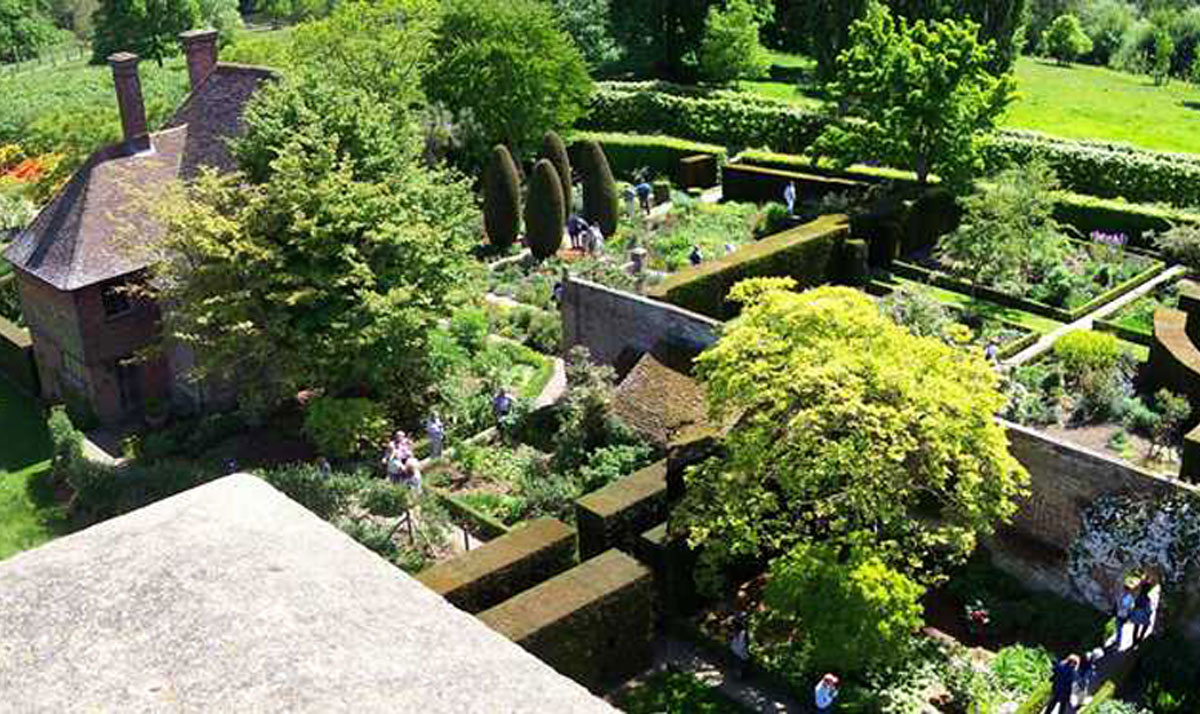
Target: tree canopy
pixel 847 430
pixel 25 28
pixel 731 49
pixel 149 28
pixel 510 65
pixel 328 263
pixel 1065 39
pixel 919 95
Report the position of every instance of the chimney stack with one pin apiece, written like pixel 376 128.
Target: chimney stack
pixel 200 46
pixel 129 99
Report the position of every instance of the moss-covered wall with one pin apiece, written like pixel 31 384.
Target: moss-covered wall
pixel 614 516
pixel 499 569
pixel 593 623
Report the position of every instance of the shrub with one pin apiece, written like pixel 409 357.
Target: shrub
pixel 342 428
pixel 501 199
pixel 599 188
pixel 730 49
pixel 470 328
pixel 918 311
pixel 1065 39
pixel 545 212
pixel 385 499
pixel 1020 669
pixel 1181 244
pixel 324 495
pixel 554 151
pixel 66 444
pixel 609 463
pixel 773 220
pixel 1087 351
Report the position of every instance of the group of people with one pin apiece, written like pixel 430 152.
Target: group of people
pixel 642 193
pixel 400 462
pixel 1074 676
pixel 584 237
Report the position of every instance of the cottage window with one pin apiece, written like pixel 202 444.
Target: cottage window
pixel 115 298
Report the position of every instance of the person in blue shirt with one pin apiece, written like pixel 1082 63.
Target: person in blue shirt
pixel 644 191
pixel 825 693
pixel 1062 683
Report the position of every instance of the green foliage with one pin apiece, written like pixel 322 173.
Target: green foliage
pixel 469 326
pixel 677 692
pixel 1008 233
pixel 731 49
pixel 922 93
pixel 333 291
pixel 1065 39
pixel 510 64
pixel 1084 351
pixel 631 154
pixel 326 496
pixel 501 199
pixel 388 500
pixel 1181 244
pixel 545 212
pixel 855 613
pixel 25 29
pixel 343 428
pixel 532 327
pixel 1174 410
pixel 587 22
pixel 847 426
pixel 555 151
pixel 148 28
pixel 918 311
pixel 66 444
pixel 599 188
pixel 1020 669
pixel 1164 49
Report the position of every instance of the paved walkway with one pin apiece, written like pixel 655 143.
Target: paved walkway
pixel 682 656
pixel 1087 321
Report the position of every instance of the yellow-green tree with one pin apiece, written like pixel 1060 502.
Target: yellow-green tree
pixel 846 430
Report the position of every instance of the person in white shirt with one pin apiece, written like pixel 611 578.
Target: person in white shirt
pixel 826 693
pixel 789 196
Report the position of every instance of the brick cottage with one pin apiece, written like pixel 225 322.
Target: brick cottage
pixel 78 254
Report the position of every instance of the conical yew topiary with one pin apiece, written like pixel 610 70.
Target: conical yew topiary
pixel 501 198
pixel 545 214
pixel 599 189
pixel 555 151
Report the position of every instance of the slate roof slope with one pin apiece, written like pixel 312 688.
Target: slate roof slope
pixel 231 597
pixel 92 229
pixel 661 404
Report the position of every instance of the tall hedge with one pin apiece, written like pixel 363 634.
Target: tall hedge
pixel 1102 169
pixel 599 188
pixel 501 198
pixel 555 151
pixel 545 214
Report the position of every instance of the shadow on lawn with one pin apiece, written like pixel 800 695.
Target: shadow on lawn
pixel 26 439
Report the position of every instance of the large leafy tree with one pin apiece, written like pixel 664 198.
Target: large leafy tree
pixel 587 22
pixel 731 49
pixel 149 28
pixel 510 65
pixel 25 28
pixel 1065 39
pixel 328 262
pixel 920 96
pixel 846 430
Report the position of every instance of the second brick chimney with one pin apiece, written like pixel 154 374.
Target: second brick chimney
pixel 200 46
pixel 129 100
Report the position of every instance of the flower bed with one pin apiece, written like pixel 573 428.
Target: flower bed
pixel 668 239
pixel 532 283
pixel 1135 321
pixel 1089 279
pixel 924 314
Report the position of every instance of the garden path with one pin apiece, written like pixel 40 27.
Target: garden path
pixel 751 692
pixel 555 388
pixel 1086 322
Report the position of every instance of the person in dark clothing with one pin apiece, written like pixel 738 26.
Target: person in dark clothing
pixel 644 191
pixel 1062 682
pixel 695 257
pixel 1143 611
pixel 576 228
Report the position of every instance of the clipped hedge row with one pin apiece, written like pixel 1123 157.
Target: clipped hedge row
pixel 1088 213
pixel 1093 168
pixel 660 156
pixel 16 357
pixel 757 184
pixel 614 516
pixel 811 254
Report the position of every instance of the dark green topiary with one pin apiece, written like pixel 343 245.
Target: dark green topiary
pixel 555 151
pixel 599 189
pixel 501 198
pixel 545 214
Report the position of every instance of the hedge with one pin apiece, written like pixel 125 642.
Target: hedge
pixel 810 254
pixel 478 524
pixel 501 568
pixel 1093 168
pixel 756 184
pixel 614 516
pixel 16 357
pixel 660 156
pixel 1088 213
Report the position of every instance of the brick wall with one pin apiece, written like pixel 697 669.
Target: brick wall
pixel 617 326
pixel 53 327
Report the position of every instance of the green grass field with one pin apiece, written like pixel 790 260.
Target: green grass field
pixel 28 515
pixel 1075 102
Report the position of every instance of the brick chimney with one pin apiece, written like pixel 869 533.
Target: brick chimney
pixel 200 46
pixel 129 99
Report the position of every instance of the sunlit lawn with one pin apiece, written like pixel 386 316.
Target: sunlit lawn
pixel 28 516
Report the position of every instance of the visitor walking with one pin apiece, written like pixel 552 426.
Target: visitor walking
pixel 695 257
pixel 1086 680
pixel 502 405
pixel 644 192
pixel 729 248
pixel 576 227
pixel 594 240
pixel 630 201
pixel 436 431
pixel 992 351
pixel 1143 611
pixel 1124 611
pixel 1062 684
pixel 789 196
pixel 825 693
pixel 410 475
pixel 324 468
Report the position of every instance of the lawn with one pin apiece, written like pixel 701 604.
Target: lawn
pixel 28 516
pixel 1075 102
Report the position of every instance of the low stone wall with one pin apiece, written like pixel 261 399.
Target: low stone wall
pixel 592 623
pixel 618 327
pixel 499 569
pixel 614 516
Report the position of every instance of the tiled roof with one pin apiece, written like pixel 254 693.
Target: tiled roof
pixel 661 404
pixel 93 228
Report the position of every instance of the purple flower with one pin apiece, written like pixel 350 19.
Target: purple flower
pixel 1112 240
